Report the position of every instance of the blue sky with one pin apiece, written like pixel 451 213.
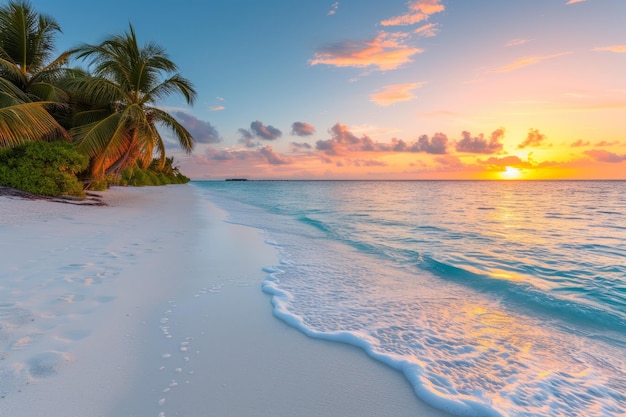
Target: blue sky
pixel 368 74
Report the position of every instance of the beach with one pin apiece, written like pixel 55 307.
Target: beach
pixel 152 306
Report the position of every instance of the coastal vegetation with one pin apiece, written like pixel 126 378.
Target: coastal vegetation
pixel 46 168
pixel 83 128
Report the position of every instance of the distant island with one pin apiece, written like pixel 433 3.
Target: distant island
pixel 236 179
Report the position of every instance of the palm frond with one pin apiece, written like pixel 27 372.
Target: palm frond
pixel 173 85
pixel 90 116
pixel 10 89
pixel 8 100
pixel 10 71
pixel 99 91
pixel 48 92
pixel 185 139
pixel 94 138
pixel 27 36
pixel 26 122
pixel 47 29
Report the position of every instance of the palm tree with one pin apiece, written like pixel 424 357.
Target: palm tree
pixel 117 124
pixel 22 120
pixel 28 75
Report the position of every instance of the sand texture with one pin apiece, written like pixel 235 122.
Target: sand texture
pixel 152 306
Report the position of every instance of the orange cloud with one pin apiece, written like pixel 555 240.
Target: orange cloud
pixel 579 143
pixel 534 139
pixel 386 51
pixel 601 155
pixel 618 49
pixel 427 31
pixel 419 10
pixel 499 164
pixel 526 61
pixel 394 93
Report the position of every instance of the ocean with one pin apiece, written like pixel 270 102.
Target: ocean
pixel 493 298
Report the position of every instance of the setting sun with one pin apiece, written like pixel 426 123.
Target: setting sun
pixel 511 173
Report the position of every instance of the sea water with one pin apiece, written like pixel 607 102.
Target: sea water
pixel 493 298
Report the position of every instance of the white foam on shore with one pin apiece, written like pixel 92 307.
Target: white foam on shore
pixel 153 306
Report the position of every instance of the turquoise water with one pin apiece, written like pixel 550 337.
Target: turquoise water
pixel 493 298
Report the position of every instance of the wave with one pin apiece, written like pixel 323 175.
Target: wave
pixel 319 225
pixel 413 371
pixel 573 303
pixel 526 296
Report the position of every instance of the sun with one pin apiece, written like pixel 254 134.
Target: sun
pixel 511 173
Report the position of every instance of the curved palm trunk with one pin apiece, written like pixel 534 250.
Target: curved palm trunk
pixel 128 158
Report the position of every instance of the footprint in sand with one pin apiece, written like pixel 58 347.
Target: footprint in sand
pixel 74 335
pixel 25 342
pixel 105 298
pixel 71 298
pixel 47 364
pixel 15 315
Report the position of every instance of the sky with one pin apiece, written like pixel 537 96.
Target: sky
pixel 369 89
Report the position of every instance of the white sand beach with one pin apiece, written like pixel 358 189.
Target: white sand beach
pixel 152 306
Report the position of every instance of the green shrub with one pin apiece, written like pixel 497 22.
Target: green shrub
pixel 140 177
pixel 100 184
pixel 45 168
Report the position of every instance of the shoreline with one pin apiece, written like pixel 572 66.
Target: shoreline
pixel 181 325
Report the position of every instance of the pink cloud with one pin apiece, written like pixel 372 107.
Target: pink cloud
pixel 605 143
pixel 435 145
pixel 449 161
pixel 526 61
pixel 202 131
pixel 395 93
pixel 574 2
pixel 265 154
pixel 386 51
pixel 300 146
pixel 480 144
pixel 419 10
pixel 274 158
pixel 369 163
pixel 333 9
pixel 516 42
pixel 600 155
pixel 618 49
pixel 302 129
pixel 344 142
pixel 265 132
pixel 579 143
pixel 427 31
